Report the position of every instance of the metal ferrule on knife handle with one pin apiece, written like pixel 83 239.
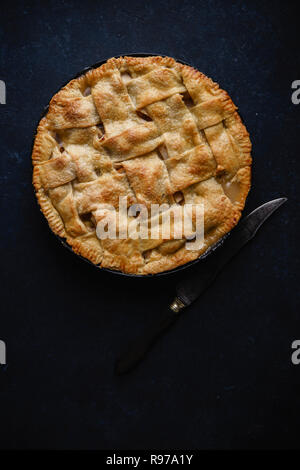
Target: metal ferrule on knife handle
pixel 177 305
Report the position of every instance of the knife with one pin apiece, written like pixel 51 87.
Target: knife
pixel 190 288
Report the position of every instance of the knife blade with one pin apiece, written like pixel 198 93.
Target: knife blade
pixel 190 288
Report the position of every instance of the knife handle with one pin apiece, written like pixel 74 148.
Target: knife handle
pixel 139 348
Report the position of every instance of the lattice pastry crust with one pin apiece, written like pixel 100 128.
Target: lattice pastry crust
pixel 153 130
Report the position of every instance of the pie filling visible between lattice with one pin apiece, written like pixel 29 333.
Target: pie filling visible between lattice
pixel 150 129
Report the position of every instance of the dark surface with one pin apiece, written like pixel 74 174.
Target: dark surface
pixel 222 377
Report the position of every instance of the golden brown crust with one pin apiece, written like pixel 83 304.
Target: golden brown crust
pixel 195 165
pixel 146 128
pixel 157 85
pixel 133 142
pixel 148 176
pixel 87 246
pixel 71 108
pixel 44 143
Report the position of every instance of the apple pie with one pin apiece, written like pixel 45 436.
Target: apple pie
pixel 148 131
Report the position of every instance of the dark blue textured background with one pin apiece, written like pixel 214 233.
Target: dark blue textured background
pixel 222 378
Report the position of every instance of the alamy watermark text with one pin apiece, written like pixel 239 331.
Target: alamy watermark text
pixel 157 222
pixel 296 94
pixel 2 352
pixel 2 92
